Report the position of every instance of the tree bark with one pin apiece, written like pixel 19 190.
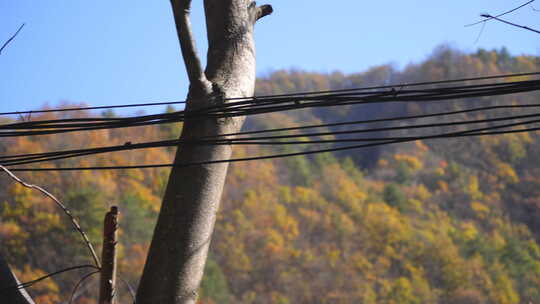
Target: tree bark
pixel 107 281
pixel 177 255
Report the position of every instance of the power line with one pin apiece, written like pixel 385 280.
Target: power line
pixel 398 118
pixel 95 108
pixel 474 132
pixel 224 139
pixel 402 85
pixel 50 156
pixel 274 105
pixel 267 105
pixel 430 95
pixel 49 275
pixel 500 15
pixel 511 23
pixel 404 95
pixel 255 98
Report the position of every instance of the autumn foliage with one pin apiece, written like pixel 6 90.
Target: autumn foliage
pixel 442 221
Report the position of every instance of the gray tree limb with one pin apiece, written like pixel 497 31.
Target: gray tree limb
pixel 257 12
pixel 177 255
pixel 197 79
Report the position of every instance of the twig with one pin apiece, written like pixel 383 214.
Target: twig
pixel 129 287
pixel 499 15
pixel 71 298
pixel 510 23
pixel 64 208
pixel 30 283
pixel 480 33
pixel 11 38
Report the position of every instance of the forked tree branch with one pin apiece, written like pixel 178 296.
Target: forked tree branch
pixel 199 85
pixel 179 249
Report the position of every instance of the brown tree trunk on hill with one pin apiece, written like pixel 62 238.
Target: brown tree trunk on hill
pixel 177 255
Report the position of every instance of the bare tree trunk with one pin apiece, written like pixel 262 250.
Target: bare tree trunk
pixel 107 280
pixel 175 262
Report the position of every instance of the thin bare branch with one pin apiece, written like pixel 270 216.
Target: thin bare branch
pixel 11 38
pixel 64 208
pixel 73 297
pixel 480 33
pixel 510 23
pixel 197 78
pixel 129 287
pixel 500 15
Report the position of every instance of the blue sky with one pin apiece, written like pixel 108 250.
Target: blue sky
pixel 115 52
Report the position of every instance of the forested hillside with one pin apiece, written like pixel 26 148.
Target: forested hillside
pixel 436 221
